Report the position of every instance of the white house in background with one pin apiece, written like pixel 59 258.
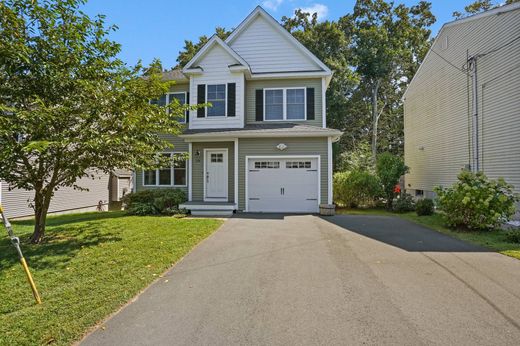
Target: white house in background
pixel 263 146
pixel 462 108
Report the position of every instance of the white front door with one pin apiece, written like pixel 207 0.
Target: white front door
pixel 283 184
pixel 216 175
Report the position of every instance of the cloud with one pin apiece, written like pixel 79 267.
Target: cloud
pixel 320 9
pixel 272 4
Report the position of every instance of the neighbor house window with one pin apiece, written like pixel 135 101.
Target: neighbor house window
pixel 284 104
pixel 181 98
pixel 172 175
pixel 217 97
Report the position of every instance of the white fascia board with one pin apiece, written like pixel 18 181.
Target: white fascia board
pixel 212 41
pixel 285 75
pixel 259 11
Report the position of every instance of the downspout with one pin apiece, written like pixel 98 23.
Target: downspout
pixel 472 63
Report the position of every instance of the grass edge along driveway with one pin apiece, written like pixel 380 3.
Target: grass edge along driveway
pixel 493 240
pixel 89 266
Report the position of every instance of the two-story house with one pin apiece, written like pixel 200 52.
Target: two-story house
pixel 263 145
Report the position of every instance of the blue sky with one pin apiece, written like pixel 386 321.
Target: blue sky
pixel 158 28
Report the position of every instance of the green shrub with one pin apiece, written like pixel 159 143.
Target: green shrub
pixel 355 188
pixel 389 169
pixel 475 202
pixel 403 203
pixel 513 236
pixel 424 207
pixel 142 209
pixel 159 201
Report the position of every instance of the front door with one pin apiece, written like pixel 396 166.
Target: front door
pixel 216 175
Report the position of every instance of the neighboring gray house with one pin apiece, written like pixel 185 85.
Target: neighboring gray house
pixel 263 146
pixel 446 128
pixel 17 202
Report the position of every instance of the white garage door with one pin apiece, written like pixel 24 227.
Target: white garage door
pixel 283 185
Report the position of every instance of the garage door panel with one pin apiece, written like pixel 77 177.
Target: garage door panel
pixel 283 185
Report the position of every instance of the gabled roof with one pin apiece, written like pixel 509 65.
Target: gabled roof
pixel 214 40
pixel 174 75
pixel 495 11
pixel 259 11
pixel 498 10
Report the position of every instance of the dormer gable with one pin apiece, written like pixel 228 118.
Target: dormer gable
pixel 215 47
pixel 270 48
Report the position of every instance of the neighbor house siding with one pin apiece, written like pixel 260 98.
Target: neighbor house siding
pixel 438 106
pixel 315 83
pixel 198 168
pixel 16 202
pixel 267 147
pixel 179 146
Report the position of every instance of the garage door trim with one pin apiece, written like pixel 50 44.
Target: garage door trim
pixel 281 157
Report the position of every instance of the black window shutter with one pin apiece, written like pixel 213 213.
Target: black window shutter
pixel 259 104
pixel 310 103
pixel 231 99
pixel 188 102
pixel 201 98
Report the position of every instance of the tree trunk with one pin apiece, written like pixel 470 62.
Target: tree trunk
pixel 375 120
pixel 41 207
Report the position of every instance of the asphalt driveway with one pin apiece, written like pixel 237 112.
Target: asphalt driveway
pixel 345 280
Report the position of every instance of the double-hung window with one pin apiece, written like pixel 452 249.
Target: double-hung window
pixel 172 175
pixel 284 104
pixel 216 95
pixel 181 98
pixel 169 98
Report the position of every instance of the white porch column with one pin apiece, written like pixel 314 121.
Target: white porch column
pixel 236 171
pixel 329 173
pixel 190 160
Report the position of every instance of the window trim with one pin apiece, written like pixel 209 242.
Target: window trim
pixel 185 93
pixel 225 103
pixel 172 172
pixel 284 89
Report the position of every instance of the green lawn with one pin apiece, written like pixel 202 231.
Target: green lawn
pixel 494 240
pixel 89 265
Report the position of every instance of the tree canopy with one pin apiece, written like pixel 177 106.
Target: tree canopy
pixel 68 105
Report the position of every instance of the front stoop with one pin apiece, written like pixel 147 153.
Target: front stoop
pixel 219 209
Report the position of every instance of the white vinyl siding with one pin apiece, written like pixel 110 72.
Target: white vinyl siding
pixel 267 50
pixel 215 64
pixel 16 202
pixel 436 114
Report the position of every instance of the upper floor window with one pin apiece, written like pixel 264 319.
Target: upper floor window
pixel 217 97
pixel 169 98
pixel 181 98
pixel 284 104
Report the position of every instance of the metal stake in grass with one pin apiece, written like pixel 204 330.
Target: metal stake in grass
pixel 16 243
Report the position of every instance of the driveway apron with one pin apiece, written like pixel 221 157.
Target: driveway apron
pixel 343 280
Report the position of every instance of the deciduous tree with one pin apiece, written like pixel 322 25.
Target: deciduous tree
pixel 68 105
